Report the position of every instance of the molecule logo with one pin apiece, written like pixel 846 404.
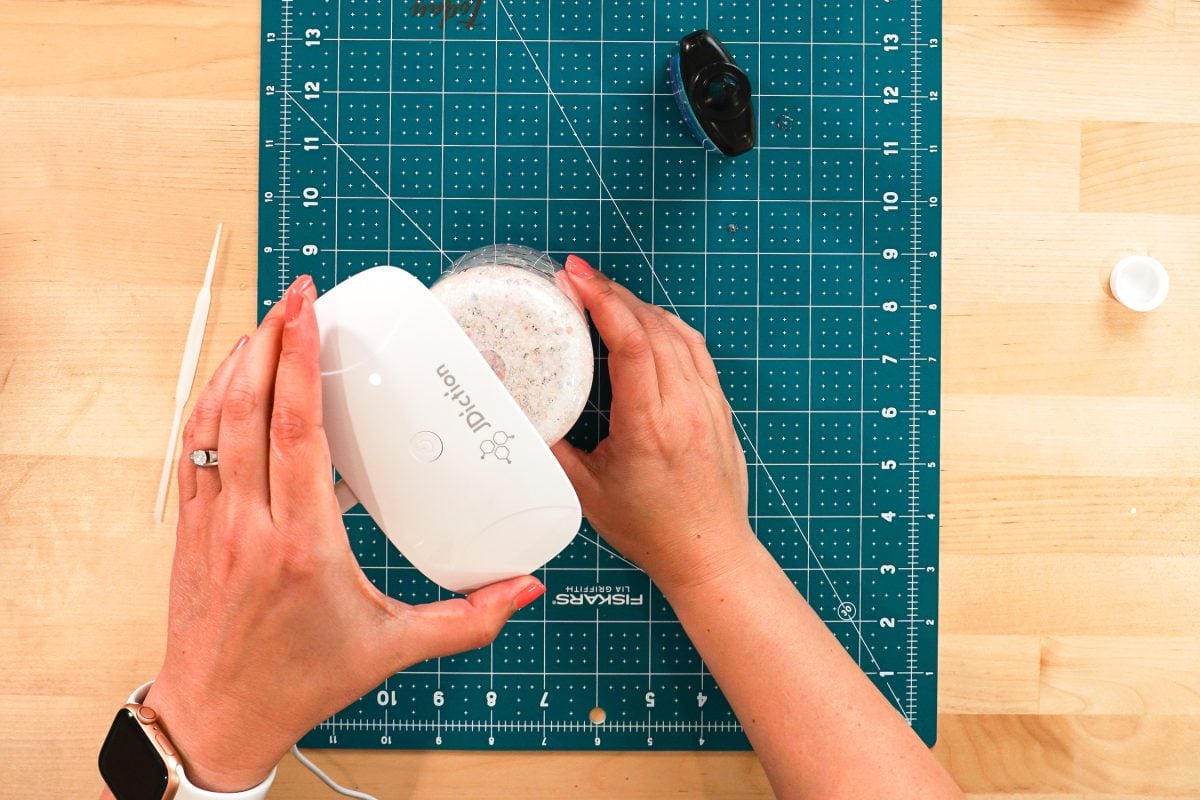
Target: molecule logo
pixel 496 446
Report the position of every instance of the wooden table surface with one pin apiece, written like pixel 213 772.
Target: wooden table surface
pixel 1070 662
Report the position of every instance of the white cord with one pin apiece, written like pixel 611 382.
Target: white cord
pixel 328 781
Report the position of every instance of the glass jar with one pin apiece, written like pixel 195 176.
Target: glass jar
pixel 519 308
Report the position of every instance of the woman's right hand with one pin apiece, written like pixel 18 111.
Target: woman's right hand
pixel 668 486
pixel 668 489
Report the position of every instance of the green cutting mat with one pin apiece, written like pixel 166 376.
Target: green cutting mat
pixel 393 134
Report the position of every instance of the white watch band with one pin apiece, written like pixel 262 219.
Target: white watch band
pixel 187 791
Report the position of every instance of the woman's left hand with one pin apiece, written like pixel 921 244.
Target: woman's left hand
pixel 273 626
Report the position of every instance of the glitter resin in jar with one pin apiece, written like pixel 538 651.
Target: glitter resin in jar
pixel 520 310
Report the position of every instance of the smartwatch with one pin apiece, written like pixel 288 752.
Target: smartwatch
pixel 139 762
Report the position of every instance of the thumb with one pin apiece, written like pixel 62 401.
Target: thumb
pixel 464 623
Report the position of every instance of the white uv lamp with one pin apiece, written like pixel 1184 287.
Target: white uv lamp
pixel 427 438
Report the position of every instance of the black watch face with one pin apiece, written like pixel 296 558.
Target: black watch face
pixel 129 764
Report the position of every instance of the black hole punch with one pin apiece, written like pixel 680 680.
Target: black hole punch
pixel 721 92
pixel 713 94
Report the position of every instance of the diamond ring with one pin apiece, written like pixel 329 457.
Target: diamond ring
pixel 204 458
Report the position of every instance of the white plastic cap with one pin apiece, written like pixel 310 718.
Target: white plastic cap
pixel 1139 283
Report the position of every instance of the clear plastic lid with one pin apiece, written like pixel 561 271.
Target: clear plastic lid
pixel 521 311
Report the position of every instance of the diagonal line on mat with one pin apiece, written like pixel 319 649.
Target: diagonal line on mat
pixel 816 559
pixel 567 118
pixel 614 553
pixel 367 175
pixel 598 410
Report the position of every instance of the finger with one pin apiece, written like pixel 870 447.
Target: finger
pixel 200 432
pixel 702 361
pixel 246 411
pixel 455 626
pixel 671 359
pixel 698 350
pixel 630 358
pixel 669 354
pixel 299 471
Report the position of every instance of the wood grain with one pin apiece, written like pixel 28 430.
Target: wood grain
pixel 1139 166
pixel 1120 675
pixel 1017 147
pixel 1137 755
pixel 1071 447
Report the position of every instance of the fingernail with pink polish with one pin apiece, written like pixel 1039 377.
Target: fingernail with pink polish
pixel 528 595
pixel 295 299
pixel 579 268
pixel 239 344
pixel 302 283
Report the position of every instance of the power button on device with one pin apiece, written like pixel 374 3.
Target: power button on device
pixel 164 744
pixel 426 446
